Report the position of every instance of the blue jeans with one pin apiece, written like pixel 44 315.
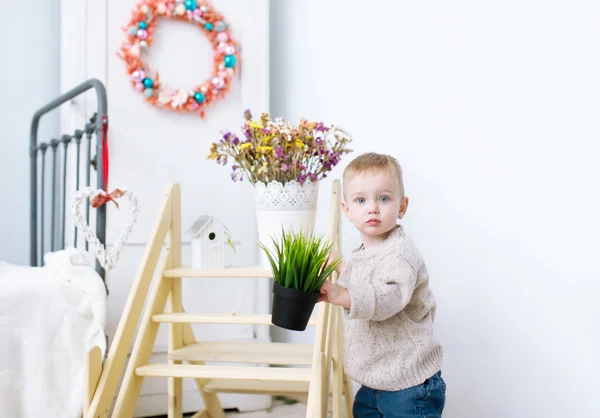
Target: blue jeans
pixel 425 400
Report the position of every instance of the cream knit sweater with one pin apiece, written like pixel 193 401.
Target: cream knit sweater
pixel 388 330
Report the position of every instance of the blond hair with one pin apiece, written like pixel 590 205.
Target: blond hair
pixel 372 162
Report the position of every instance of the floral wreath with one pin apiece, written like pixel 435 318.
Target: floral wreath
pixel 140 29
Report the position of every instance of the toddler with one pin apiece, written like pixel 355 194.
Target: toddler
pixel 388 306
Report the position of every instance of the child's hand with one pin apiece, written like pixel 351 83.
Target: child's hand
pixel 328 289
pixel 335 295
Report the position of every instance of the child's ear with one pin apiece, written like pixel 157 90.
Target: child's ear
pixel 345 209
pixel 403 208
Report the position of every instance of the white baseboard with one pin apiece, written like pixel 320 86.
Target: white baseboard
pixel 156 404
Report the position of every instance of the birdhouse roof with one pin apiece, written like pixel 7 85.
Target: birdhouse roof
pixel 202 222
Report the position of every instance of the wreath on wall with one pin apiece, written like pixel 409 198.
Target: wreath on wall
pixel 140 29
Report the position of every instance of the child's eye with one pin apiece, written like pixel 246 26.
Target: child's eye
pixel 360 200
pixel 384 199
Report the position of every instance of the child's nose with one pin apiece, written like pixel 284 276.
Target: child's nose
pixel 373 208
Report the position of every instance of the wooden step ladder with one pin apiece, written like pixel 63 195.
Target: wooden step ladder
pixel 318 372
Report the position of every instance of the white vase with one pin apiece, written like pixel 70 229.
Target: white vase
pixel 290 206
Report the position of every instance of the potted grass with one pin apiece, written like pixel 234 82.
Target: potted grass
pixel 301 264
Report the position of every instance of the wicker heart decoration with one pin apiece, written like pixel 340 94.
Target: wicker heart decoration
pixel 107 258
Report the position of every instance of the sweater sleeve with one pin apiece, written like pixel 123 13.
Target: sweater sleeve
pixel 387 294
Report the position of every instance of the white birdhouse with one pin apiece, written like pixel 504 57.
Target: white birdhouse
pixel 209 237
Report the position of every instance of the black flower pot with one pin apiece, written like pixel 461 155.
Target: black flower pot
pixel 292 308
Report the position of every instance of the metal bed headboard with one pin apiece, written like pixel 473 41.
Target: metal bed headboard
pixel 58 187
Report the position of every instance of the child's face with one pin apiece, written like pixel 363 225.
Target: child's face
pixel 372 203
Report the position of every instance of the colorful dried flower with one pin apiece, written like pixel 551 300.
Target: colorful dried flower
pixel 274 150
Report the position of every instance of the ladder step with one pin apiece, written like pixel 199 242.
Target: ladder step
pixel 246 352
pixel 227 272
pixel 225 372
pixel 191 318
pixel 256 387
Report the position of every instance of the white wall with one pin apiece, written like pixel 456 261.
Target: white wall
pixel 29 77
pixel 492 108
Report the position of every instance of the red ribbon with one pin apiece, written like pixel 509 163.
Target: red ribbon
pixel 102 198
pixel 105 151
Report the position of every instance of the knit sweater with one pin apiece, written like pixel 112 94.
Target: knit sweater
pixel 388 342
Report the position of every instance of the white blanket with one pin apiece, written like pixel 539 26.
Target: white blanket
pixel 49 318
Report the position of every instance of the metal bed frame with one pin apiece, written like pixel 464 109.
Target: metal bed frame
pixel 97 127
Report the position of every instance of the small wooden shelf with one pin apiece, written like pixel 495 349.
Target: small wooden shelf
pixel 225 372
pixel 227 272
pixel 256 387
pixel 195 318
pixel 235 367
pixel 283 354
